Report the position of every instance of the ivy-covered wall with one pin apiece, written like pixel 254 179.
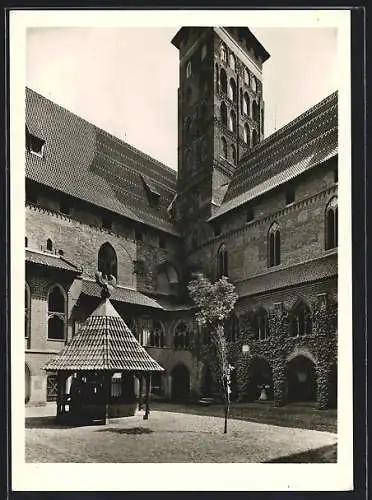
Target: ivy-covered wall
pixel 278 350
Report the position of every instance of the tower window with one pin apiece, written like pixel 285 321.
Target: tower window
pixel 188 70
pixel 331 224
pixel 223 114
pixel 222 264
pixel 49 245
pixel 232 121
pixel 223 53
pixel 274 245
pixel 232 90
pixel 232 62
pixel 289 195
pixel 203 52
pixel 224 147
pixel 246 133
pixel 253 84
pixel 233 154
pixel 223 80
pixel 246 104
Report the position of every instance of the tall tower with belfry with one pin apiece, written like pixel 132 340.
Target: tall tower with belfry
pixel 220 119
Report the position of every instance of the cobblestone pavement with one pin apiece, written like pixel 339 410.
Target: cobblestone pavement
pixel 165 437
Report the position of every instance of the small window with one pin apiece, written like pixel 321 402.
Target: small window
pixel 246 76
pixel 138 235
pixel 49 245
pixel 274 245
pixel 107 222
pixel 300 322
pixel 60 252
pixel 223 53
pixel 188 70
pixel 34 144
pixel 56 314
pixel 224 147
pixel 254 84
pixel 246 104
pixel 26 242
pixel 246 133
pixel 232 90
pixel 289 195
pixel 222 264
pixel 203 52
pixel 232 62
pixel 223 114
pixel 249 213
pixel 107 260
pixel 255 112
pixel 232 121
pixel 331 224
pixel 223 80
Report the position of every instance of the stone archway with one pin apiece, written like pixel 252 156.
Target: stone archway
pixel 259 375
pixel 332 386
pixel 180 382
pixel 27 384
pixel 301 380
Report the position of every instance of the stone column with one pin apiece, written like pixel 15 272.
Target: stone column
pixel 278 331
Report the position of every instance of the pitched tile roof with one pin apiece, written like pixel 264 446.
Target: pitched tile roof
pixel 119 294
pixel 88 163
pixel 306 142
pixel 50 260
pixel 305 272
pixel 104 342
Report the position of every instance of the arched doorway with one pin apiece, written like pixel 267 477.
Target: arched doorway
pixel 27 384
pixel 260 380
pixel 180 382
pixel 301 380
pixel 332 386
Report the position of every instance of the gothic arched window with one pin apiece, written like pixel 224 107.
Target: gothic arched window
pixel 57 306
pixel 49 245
pixel 223 81
pixel 255 113
pixel 246 76
pixel 254 138
pixel 27 310
pixel 232 121
pixel 253 84
pixel 232 90
pixel 300 320
pixel 181 336
pixel 246 134
pixel 224 147
pixel 274 245
pixel 233 154
pixel 157 336
pixel 223 53
pixel 232 62
pixel 331 224
pixel 223 110
pixel 222 264
pixel 246 104
pixel 107 261
pixel 262 324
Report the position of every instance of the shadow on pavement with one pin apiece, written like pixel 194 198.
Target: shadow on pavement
pixel 51 423
pixel 323 455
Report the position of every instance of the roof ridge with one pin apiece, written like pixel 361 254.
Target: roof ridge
pixel 116 139
pixel 290 124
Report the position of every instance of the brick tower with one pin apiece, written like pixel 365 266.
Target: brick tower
pixel 220 118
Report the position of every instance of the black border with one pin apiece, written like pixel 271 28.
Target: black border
pixel 361 192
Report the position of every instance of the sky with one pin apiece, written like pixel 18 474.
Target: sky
pixel 125 80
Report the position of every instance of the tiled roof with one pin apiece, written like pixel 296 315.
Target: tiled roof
pixel 50 260
pixel 119 294
pixel 104 342
pixel 324 267
pixel 90 164
pixel 301 145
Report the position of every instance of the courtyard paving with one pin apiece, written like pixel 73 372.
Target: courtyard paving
pixel 166 437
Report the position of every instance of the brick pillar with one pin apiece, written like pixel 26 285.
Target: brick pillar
pixel 321 326
pixel 278 330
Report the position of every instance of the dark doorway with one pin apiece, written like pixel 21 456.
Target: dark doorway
pixel 301 379
pixel 180 382
pixel 260 381
pixel 332 386
pixel 208 386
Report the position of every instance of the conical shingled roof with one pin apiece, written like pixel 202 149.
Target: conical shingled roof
pixel 104 342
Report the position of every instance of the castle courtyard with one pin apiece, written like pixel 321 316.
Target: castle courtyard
pixel 173 438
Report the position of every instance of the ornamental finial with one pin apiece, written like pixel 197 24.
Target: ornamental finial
pixel 107 283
